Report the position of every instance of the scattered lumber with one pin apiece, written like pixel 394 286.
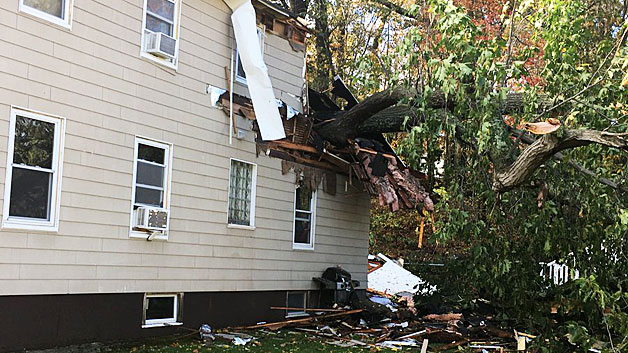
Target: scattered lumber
pixel 443 317
pixel 296 322
pixel 307 309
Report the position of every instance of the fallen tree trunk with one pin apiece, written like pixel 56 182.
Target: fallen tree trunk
pixel 382 112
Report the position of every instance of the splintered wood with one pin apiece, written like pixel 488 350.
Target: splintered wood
pixel 394 185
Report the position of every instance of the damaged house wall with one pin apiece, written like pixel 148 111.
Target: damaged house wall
pixel 108 94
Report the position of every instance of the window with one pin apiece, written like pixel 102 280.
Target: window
pixel 162 310
pixel 33 174
pixel 151 181
pixel 242 183
pixel 55 11
pixel 304 218
pixel 160 31
pixel 296 302
pixel 240 74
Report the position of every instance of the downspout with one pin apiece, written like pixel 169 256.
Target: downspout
pixel 231 100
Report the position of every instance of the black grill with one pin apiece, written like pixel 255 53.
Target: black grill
pixel 336 286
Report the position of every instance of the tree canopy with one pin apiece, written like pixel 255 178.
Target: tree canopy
pixel 464 83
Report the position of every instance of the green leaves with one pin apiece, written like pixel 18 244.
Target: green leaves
pixel 623 216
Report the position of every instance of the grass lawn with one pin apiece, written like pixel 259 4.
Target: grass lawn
pixel 265 342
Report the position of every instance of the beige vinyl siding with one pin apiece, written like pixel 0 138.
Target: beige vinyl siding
pixel 94 77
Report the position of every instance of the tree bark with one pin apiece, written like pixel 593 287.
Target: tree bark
pixel 344 127
pixel 381 113
pixel 533 156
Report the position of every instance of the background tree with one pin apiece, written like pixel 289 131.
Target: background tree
pixel 465 83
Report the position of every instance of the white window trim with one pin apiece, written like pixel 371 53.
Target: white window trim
pixel 176 30
pixel 168 156
pixel 301 246
pixel 51 225
pixel 63 22
pixel 297 313
pixel 251 226
pixel 261 35
pixel 174 321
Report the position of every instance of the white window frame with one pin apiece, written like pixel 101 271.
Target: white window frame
pixel 261 35
pixel 176 30
pixel 168 156
pixel 251 225
pixel 63 22
pixel 173 321
pixel 52 224
pixel 296 313
pixel 302 246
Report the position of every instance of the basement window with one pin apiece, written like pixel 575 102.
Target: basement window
pixel 56 11
pixel 162 310
pixel 296 302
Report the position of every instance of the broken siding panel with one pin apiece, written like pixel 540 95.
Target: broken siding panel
pixel 279 48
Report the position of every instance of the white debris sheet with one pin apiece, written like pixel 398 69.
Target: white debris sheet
pixel 393 279
pixel 257 79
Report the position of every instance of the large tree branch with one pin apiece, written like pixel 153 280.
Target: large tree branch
pixel 396 8
pixel 339 130
pixel 533 156
pixel 380 113
pixel 559 156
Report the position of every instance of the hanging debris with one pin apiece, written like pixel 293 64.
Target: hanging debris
pixel 366 160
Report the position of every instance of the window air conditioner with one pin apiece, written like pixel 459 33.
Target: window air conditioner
pixel 160 44
pixel 151 218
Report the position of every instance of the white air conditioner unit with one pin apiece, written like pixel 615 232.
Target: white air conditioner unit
pixel 151 218
pixel 160 44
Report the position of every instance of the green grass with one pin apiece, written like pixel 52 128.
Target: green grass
pixel 265 342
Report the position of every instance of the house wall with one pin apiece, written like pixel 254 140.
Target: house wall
pixel 94 77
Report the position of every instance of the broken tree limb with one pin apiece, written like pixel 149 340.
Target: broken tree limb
pixel 541 150
pixel 559 156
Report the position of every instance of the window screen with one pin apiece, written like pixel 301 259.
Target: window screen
pixel 150 175
pixel 32 174
pixel 160 16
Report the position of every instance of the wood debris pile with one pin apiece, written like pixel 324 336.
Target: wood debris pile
pixel 403 329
